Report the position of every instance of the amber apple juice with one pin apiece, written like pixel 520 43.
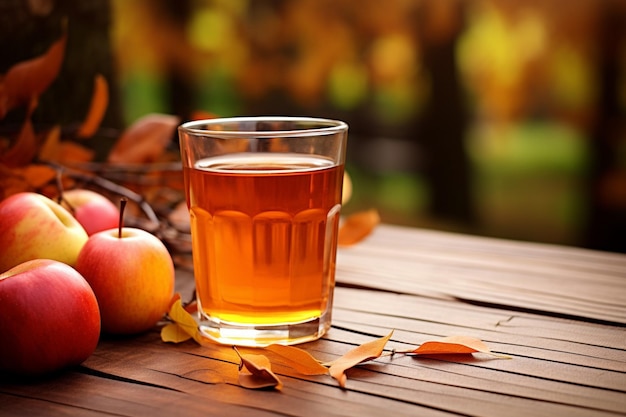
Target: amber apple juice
pixel 264 232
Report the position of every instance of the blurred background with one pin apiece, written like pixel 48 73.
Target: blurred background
pixel 501 118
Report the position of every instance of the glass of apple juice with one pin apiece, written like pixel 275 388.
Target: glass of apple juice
pixel 264 196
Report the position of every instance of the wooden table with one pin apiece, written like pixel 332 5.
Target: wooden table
pixel 559 312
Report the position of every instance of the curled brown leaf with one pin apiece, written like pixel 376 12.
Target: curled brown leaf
pixel 298 359
pixel 183 322
pixel 255 372
pixel 27 80
pixel 144 141
pixel 453 345
pixel 363 353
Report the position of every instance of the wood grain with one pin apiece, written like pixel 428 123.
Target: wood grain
pixel 559 313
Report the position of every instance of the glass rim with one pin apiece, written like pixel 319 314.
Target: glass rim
pixel 324 126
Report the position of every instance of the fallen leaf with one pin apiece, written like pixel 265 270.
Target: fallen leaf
pixel 183 320
pixel 357 227
pixel 145 140
pixel 97 108
pixel 255 372
pixel 29 79
pixel 363 353
pixel 298 359
pixel 173 333
pixel 453 345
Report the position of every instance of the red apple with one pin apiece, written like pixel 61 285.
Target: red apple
pixel 132 276
pixel 93 211
pixel 49 318
pixel 33 226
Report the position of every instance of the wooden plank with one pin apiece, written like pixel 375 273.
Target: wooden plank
pixel 566 281
pixel 12 405
pixel 407 385
pixel 78 394
pixel 211 371
pixel 556 311
pixel 384 306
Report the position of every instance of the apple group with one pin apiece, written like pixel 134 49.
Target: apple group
pixel 68 274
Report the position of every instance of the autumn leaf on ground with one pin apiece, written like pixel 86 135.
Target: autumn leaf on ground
pixel 255 372
pixel 453 345
pixel 357 227
pixel 97 108
pixel 184 326
pixel 145 141
pixel 298 359
pixel 363 353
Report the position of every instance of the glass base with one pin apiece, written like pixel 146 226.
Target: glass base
pixel 264 335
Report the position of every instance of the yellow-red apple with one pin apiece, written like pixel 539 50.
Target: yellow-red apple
pixel 33 226
pixel 132 275
pixel 49 318
pixel 93 211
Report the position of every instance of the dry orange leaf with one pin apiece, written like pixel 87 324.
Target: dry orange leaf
pixel 50 149
pixel 29 79
pixel 97 108
pixel 453 345
pixel 173 333
pixel 255 372
pixel 24 149
pixel 144 141
pixel 298 359
pixel 71 152
pixel 363 353
pixel 357 227
pixel 38 175
pixel 183 322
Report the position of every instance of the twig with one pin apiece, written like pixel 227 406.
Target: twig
pixel 112 187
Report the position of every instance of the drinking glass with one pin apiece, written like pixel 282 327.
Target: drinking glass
pixel 264 197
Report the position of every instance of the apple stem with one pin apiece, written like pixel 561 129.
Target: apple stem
pixel 123 202
pixel 61 197
pixel 59 184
